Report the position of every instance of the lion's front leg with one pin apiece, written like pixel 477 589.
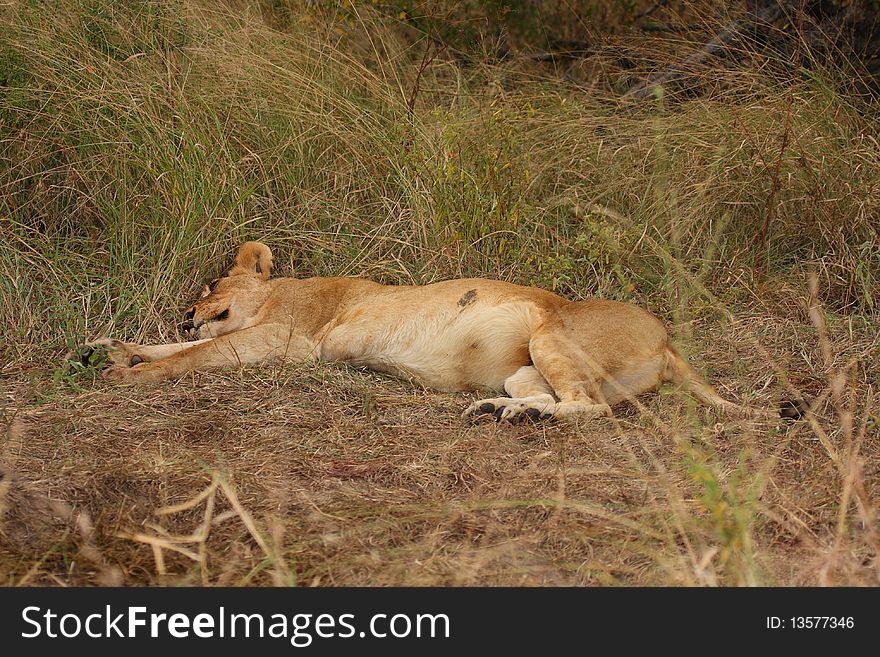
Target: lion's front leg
pixel 125 354
pixel 250 345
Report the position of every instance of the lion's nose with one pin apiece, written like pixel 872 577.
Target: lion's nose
pixel 187 324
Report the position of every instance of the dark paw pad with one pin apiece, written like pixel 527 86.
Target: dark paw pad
pixel 792 409
pixel 485 409
pixel 529 415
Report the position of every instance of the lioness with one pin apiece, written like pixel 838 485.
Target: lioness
pixel 552 356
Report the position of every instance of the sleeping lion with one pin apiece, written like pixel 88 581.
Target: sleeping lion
pixel 541 355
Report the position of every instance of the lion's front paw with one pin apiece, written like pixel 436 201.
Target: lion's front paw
pixel 106 353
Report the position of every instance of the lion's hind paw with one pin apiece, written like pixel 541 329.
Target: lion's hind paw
pixel 512 410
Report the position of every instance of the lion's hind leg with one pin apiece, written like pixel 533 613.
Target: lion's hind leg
pixel 531 398
pixel 597 353
pixel 574 381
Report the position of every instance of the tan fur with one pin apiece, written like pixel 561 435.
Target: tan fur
pixel 553 357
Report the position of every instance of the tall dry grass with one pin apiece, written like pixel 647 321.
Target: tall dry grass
pixel 141 141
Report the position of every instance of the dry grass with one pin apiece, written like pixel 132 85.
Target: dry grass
pixel 321 475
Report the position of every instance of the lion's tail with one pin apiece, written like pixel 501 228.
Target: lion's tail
pixel 680 372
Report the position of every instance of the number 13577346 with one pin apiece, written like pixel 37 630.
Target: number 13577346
pixel 810 622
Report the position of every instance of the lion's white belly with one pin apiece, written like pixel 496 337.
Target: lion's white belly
pixel 445 345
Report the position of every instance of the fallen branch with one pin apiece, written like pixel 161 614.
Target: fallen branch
pixel 646 88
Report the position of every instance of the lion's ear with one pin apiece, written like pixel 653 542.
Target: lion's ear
pixel 253 258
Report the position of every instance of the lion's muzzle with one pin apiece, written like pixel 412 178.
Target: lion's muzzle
pixel 188 327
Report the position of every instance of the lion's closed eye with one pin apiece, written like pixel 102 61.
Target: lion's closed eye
pixel 209 288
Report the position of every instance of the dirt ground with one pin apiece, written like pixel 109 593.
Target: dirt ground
pixel 323 475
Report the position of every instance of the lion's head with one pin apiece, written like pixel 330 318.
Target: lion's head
pixel 228 303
